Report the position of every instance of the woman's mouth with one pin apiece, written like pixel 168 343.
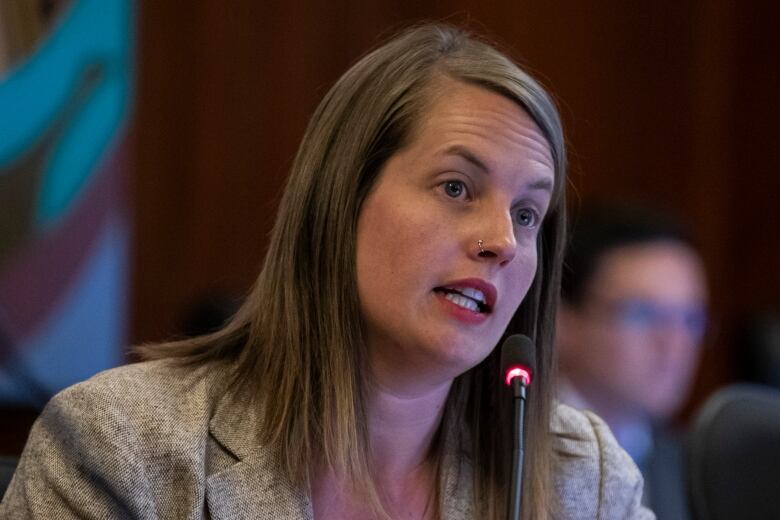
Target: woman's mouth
pixel 467 298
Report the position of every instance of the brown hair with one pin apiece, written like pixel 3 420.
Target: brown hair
pixel 297 341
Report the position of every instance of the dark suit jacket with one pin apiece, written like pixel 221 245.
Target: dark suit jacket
pixel 154 441
pixel 664 473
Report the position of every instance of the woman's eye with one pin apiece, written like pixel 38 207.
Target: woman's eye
pixel 454 189
pixel 526 217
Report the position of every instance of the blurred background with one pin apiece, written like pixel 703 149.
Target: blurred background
pixel 144 145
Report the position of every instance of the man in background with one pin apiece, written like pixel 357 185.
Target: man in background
pixel 631 325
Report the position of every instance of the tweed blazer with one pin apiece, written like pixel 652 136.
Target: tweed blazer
pixel 151 440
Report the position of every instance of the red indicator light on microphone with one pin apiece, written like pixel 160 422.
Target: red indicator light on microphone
pixel 518 371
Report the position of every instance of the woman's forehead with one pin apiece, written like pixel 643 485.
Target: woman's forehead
pixel 486 129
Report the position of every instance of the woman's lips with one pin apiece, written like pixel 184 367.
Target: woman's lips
pixel 470 299
pixel 458 311
pixel 476 289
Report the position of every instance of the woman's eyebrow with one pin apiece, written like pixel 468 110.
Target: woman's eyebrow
pixel 468 155
pixel 543 184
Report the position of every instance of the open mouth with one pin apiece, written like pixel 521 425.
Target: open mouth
pixel 466 297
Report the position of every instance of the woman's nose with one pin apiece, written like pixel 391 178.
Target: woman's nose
pixel 498 242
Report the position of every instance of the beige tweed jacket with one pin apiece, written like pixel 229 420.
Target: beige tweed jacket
pixel 151 441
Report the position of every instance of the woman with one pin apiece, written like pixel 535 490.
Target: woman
pixel 423 219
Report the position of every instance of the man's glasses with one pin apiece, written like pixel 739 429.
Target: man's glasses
pixel 647 316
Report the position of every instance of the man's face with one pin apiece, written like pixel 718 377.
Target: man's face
pixel 633 344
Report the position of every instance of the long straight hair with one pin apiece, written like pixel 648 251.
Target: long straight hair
pixel 296 345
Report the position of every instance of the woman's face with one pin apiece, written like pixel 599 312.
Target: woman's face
pixel 432 301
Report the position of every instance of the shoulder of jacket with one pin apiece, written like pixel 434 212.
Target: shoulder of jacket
pixel 119 445
pixel 593 474
pixel 154 395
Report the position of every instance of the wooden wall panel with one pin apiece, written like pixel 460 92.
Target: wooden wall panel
pixel 672 102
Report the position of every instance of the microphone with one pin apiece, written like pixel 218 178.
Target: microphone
pixel 518 361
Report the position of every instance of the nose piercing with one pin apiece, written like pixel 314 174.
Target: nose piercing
pixel 481 249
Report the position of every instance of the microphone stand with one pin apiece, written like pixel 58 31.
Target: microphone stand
pixel 518 452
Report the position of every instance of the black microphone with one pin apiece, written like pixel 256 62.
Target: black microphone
pixel 518 361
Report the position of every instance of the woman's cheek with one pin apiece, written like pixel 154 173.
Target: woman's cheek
pixel 523 275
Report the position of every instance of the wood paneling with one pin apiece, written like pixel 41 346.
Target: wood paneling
pixel 671 102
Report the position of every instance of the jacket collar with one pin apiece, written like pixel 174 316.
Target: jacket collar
pixel 252 487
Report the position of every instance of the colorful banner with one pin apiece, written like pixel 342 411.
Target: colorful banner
pixel 64 226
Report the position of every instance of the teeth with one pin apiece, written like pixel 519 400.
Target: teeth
pixel 462 301
pixel 474 294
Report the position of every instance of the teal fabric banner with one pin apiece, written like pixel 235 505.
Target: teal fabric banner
pixel 64 227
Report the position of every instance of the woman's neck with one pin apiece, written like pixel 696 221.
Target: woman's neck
pixel 402 424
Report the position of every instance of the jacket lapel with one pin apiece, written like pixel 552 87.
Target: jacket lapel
pixel 456 485
pixel 248 483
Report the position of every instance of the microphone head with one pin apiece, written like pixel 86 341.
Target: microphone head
pixel 518 359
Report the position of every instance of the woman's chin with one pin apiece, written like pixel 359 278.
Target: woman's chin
pixel 460 354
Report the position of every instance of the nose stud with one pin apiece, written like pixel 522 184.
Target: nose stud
pixel 481 249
